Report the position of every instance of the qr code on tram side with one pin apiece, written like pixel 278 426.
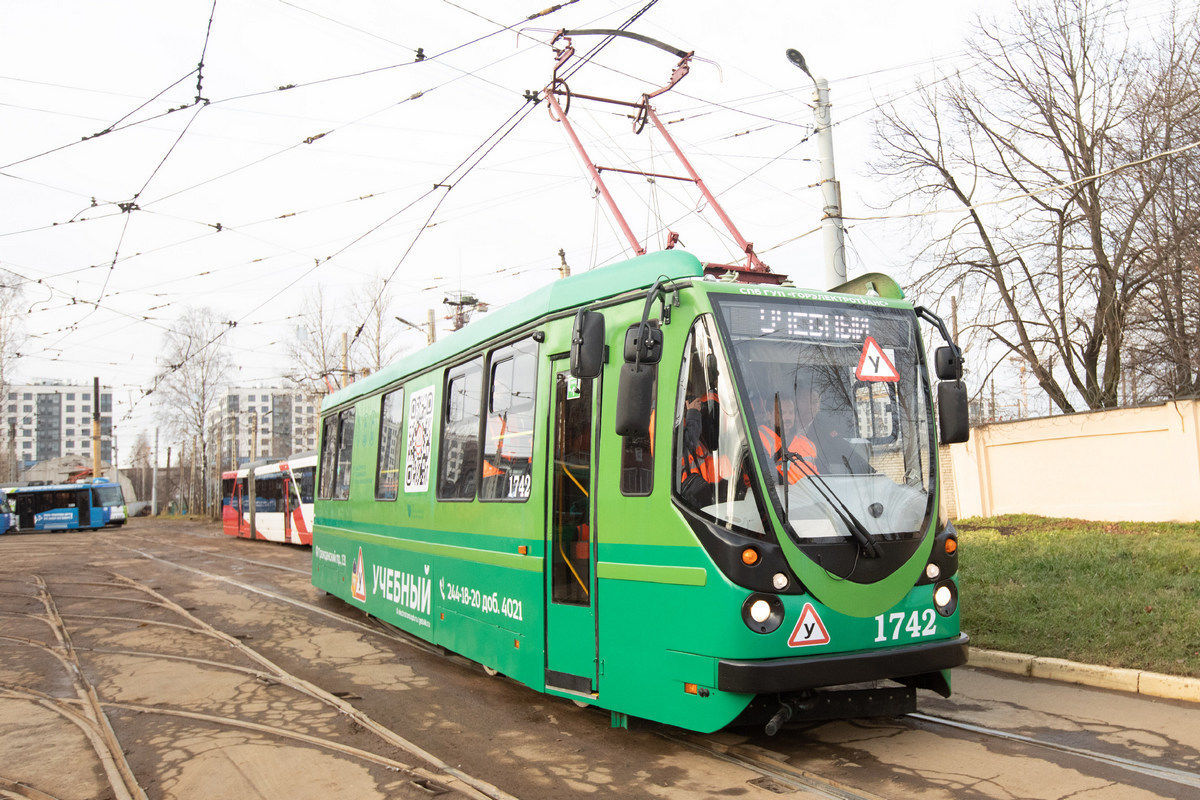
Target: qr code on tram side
pixel 420 438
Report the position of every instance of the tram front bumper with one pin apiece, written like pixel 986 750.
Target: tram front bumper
pixel 837 669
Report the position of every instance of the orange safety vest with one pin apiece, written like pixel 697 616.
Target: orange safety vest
pixel 800 445
pixel 705 463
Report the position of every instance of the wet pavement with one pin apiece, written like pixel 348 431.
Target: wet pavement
pixel 165 660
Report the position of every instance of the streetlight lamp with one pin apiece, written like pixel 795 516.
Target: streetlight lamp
pixel 831 190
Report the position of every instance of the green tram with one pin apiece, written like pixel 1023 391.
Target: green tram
pixel 674 497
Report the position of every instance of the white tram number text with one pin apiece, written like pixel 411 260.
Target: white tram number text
pixel 488 603
pixel 916 624
pixel 518 485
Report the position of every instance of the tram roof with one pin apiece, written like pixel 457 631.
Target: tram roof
pixel 577 290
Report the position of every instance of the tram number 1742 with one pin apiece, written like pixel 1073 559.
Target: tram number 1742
pixel 919 623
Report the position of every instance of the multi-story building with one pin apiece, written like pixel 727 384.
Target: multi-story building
pixel 54 418
pixel 263 422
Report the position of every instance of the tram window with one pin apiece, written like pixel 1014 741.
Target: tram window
pixel 268 494
pixel 637 466
pixel 304 482
pixel 637 460
pixel 226 492
pixel 387 479
pixel 458 456
pixel 571 560
pixel 341 477
pixel 328 454
pixel 243 500
pixel 508 439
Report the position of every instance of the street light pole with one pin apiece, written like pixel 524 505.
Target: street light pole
pixel 832 230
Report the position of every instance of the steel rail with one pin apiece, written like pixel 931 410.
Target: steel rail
pixel 775 770
pixel 1172 774
pixel 470 785
pixel 125 783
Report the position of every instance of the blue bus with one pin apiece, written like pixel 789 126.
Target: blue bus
pixel 57 507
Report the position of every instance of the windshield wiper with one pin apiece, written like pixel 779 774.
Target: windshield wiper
pixel 869 545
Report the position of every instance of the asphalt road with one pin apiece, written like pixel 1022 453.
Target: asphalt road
pixel 165 660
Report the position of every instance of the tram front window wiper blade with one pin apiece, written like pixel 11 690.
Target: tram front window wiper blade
pixel 859 531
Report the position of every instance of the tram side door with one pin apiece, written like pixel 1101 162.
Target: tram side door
pixel 571 658
pixel 285 505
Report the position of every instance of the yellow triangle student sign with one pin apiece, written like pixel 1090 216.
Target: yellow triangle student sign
pixel 358 579
pixel 809 629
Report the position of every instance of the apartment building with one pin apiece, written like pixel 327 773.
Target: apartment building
pixel 254 422
pixel 54 418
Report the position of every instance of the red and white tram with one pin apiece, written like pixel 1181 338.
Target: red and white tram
pixel 271 500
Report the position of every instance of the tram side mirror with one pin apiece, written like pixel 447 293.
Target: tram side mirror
pixel 635 399
pixel 948 363
pixel 954 423
pixel 587 344
pixel 648 348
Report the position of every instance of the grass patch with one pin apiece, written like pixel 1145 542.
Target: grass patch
pixel 1124 594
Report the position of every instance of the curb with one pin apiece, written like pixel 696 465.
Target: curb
pixel 1134 681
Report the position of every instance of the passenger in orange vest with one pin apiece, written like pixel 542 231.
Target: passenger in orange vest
pixel 780 414
pixel 697 456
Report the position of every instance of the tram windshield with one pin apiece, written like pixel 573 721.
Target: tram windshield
pixel 838 406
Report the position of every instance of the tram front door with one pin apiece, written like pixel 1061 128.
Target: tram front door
pixel 570 536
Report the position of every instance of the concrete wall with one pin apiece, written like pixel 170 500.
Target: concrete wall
pixel 1127 464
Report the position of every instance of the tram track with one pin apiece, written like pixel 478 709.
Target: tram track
pixel 745 756
pixel 306 573
pixel 87 710
pixel 463 782
pixel 773 769
pixel 1171 774
pixel 112 755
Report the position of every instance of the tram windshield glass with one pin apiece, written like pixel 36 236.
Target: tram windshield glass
pixel 838 406
pixel 109 495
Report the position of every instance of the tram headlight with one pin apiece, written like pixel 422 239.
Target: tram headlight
pixel 932 571
pixel 779 581
pixel 762 613
pixel 945 598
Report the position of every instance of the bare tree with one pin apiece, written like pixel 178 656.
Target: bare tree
pixel 140 464
pixel 1047 248
pixel 12 339
pixel 1164 352
pixel 315 354
pixel 196 370
pixel 376 342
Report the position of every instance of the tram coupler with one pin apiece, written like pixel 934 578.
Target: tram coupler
pixel 776 711
pixel 776 722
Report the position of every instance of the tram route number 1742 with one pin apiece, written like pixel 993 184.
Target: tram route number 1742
pixel 916 624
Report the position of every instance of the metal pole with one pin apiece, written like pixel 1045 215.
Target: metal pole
pixel 559 116
pixel 154 479
pixel 96 427
pixel 831 191
pixel 432 328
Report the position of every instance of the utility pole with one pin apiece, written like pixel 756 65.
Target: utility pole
pixel 254 431
pixel 96 427
pixel 831 191
pixel 464 304
pixel 432 328
pixel 954 318
pixel 154 479
pixel 564 271
pixel 12 451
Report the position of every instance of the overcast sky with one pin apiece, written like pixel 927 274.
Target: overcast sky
pixel 71 69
